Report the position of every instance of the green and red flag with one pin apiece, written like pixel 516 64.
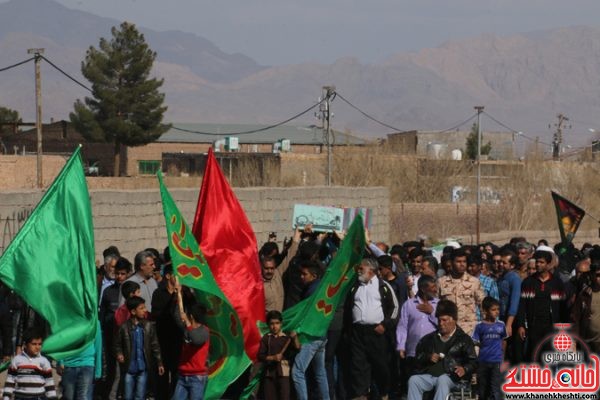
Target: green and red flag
pixel 51 262
pixel 227 359
pixel 228 242
pixel 312 316
pixel 569 217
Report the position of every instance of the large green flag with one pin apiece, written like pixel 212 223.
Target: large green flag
pixel 311 317
pixel 227 358
pixel 50 263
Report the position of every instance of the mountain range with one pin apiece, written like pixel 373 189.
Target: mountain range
pixel 523 80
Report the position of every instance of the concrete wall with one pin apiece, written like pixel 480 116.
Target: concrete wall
pixel 133 219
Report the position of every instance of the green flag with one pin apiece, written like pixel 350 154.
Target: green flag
pixel 312 316
pixel 227 358
pixel 50 263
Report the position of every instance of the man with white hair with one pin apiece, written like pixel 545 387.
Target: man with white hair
pixel 371 310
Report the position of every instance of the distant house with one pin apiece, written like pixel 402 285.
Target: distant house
pixel 184 138
pixel 436 144
pixel 61 137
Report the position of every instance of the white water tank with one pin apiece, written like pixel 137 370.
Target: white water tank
pixel 436 150
pixel 456 154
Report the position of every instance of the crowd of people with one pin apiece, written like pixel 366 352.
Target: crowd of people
pixel 420 321
pixel 417 322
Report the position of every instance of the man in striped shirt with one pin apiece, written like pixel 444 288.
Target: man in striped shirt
pixel 30 373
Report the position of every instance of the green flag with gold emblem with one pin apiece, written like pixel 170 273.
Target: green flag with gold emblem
pixel 312 316
pixel 227 358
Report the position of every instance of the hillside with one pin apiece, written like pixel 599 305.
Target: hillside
pixel 523 80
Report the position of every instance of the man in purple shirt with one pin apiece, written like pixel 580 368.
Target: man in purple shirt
pixel 417 319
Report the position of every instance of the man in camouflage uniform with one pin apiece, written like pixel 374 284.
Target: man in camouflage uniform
pixel 462 289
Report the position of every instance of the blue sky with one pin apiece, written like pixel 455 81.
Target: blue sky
pixel 278 32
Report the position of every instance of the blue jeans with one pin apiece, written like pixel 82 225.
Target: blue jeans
pixel 135 383
pixel 315 352
pixel 78 383
pixel 190 387
pixel 418 384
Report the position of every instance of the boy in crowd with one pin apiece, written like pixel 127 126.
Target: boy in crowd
pixel 30 373
pixel 128 289
pixel 136 347
pixel 489 335
pixel 193 362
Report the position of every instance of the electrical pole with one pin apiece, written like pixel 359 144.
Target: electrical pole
pixel 325 108
pixel 479 110
pixel 557 141
pixel 38 112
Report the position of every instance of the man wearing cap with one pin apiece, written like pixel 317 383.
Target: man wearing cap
pixel 371 310
pixel 443 357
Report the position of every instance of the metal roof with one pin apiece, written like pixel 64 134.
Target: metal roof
pixel 296 134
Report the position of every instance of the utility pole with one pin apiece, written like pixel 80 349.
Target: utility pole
pixel 557 141
pixel 479 110
pixel 325 107
pixel 38 112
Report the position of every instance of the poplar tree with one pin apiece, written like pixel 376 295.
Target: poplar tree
pixel 471 145
pixel 126 107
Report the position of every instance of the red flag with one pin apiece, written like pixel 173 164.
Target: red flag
pixel 229 245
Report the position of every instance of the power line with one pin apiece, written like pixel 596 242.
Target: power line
pixel 253 130
pixel 460 124
pixel 65 74
pixel 518 133
pixel 393 127
pixel 367 115
pixel 17 64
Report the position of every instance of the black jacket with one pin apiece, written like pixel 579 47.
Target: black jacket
pixel 389 303
pixel 123 345
pixel 461 353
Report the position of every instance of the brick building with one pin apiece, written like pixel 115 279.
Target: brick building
pixel 61 138
pixel 440 144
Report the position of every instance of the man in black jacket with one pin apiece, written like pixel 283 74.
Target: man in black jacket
pixel 443 357
pixel 371 310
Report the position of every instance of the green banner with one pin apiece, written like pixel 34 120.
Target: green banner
pixel 227 359
pixel 51 262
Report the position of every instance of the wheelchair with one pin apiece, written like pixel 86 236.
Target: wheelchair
pixel 463 391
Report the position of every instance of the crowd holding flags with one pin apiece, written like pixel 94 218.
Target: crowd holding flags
pixel 50 264
pixel 227 359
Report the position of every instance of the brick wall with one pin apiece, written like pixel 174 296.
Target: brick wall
pixel 133 219
pixel 21 171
